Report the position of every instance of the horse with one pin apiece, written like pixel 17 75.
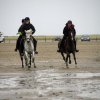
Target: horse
pixel 26 49
pixel 68 48
pixel 29 49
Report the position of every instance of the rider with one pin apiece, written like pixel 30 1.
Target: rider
pixel 20 35
pixel 28 26
pixel 69 27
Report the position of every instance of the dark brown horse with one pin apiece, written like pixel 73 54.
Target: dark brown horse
pixel 68 48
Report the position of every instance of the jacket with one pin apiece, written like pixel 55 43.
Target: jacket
pixel 66 31
pixel 26 27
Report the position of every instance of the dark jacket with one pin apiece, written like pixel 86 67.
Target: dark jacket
pixel 66 31
pixel 20 28
pixel 26 27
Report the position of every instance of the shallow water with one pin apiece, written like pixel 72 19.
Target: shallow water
pixel 51 84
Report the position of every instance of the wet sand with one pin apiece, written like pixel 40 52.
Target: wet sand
pixel 51 80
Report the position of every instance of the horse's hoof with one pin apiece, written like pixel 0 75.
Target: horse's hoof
pixel 22 66
pixel 70 62
pixel 75 66
pixel 29 66
pixel 67 67
pixel 75 63
pixel 34 66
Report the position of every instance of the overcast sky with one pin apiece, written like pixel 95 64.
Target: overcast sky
pixel 50 16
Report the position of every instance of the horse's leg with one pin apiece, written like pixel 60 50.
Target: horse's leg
pixel 27 59
pixel 63 56
pixel 33 60
pixel 67 56
pixel 74 57
pixel 69 59
pixel 65 59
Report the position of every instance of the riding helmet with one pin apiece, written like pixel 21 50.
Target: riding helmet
pixel 27 18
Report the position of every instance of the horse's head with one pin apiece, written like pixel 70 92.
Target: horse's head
pixel 71 35
pixel 28 35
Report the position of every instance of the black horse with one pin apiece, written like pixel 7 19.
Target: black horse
pixel 68 48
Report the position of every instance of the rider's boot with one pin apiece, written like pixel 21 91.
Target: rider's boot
pixel 59 50
pixel 60 46
pixel 15 49
pixel 18 43
pixel 77 50
pixel 16 46
pixel 35 45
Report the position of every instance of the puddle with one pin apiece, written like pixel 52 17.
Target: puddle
pixel 8 82
pixel 52 84
pixel 83 75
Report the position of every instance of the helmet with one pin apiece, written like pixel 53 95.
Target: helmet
pixel 27 18
pixel 69 22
